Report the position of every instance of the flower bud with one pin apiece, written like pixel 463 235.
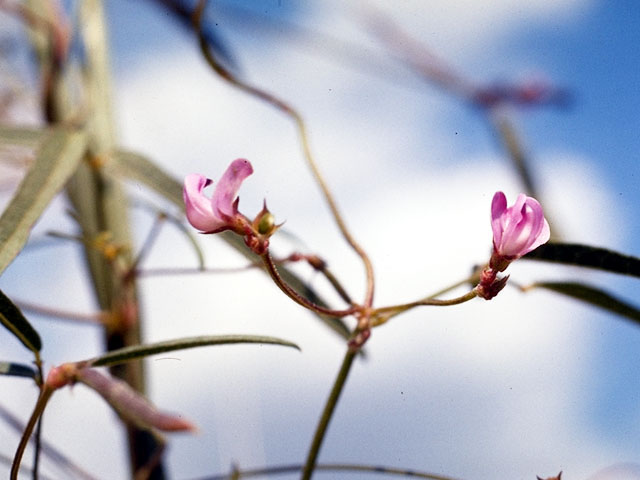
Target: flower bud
pixel 517 230
pixel 265 222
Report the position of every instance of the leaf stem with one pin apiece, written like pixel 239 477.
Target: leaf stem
pixel 327 413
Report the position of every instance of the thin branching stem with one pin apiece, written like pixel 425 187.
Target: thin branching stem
pixel 38 434
pixel 304 139
pixel 295 296
pixel 384 314
pixel 36 451
pixel 337 286
pixel 90 318
pixel 327 413
pixel 45 395
pixel 427 302
pixel 148 243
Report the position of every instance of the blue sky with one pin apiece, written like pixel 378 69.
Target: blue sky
pixel 522 385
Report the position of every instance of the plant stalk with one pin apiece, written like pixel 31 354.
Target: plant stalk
pixel 327 413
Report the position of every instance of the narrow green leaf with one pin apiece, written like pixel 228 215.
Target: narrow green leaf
pixel 587 256
pixel 593 296
pixel 13 320
pixel 140 169
pixel 21 136
pixel 140 351
pixel 18 370
pixel 57 158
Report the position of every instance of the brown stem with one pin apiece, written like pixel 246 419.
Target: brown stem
pixel 295 296
pixel 45 395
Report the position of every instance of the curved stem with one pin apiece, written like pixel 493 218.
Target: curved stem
pixel 327 413
pixel 295 296
pixel 45 395
pixel 304 139
pixel 383 314
pixel 38 435
pixel 339 467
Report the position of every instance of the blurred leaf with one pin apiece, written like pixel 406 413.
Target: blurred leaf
pixel 18 370
pixel 178 222
pixel 593 296
pixel 140 351
pixel 12 318
pixel 131 405
pixel 21 136
pixel 140 169
pixel 586 256
pixel 57 158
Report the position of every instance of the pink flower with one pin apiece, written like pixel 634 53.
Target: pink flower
pixel 517 230
pixel 220 212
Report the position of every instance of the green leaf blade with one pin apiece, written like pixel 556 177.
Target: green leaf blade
pixel 14 321
pixel 18 370
pixel 140 351
pixel 587 256
pixel 21 136
pixel 593 296
pixel 55 162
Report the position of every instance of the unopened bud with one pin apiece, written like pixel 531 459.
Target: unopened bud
pixel 266 223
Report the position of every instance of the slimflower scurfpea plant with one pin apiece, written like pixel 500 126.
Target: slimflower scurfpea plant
pixel 516 231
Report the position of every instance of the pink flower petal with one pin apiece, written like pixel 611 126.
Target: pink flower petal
pixel 224 196
pixel 518 229
pixel 498 207
pixel 198 207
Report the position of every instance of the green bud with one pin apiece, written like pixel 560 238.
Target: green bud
pixel 266 223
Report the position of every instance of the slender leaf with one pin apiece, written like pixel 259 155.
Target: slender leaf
pixel 56 160
pixel 587 256
pixel 18 370
pixel 593 296
pixel 140 351
pixel 130 404
pixel 179 223
pixel 13 320
pixel 22 136
pixel 140 169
